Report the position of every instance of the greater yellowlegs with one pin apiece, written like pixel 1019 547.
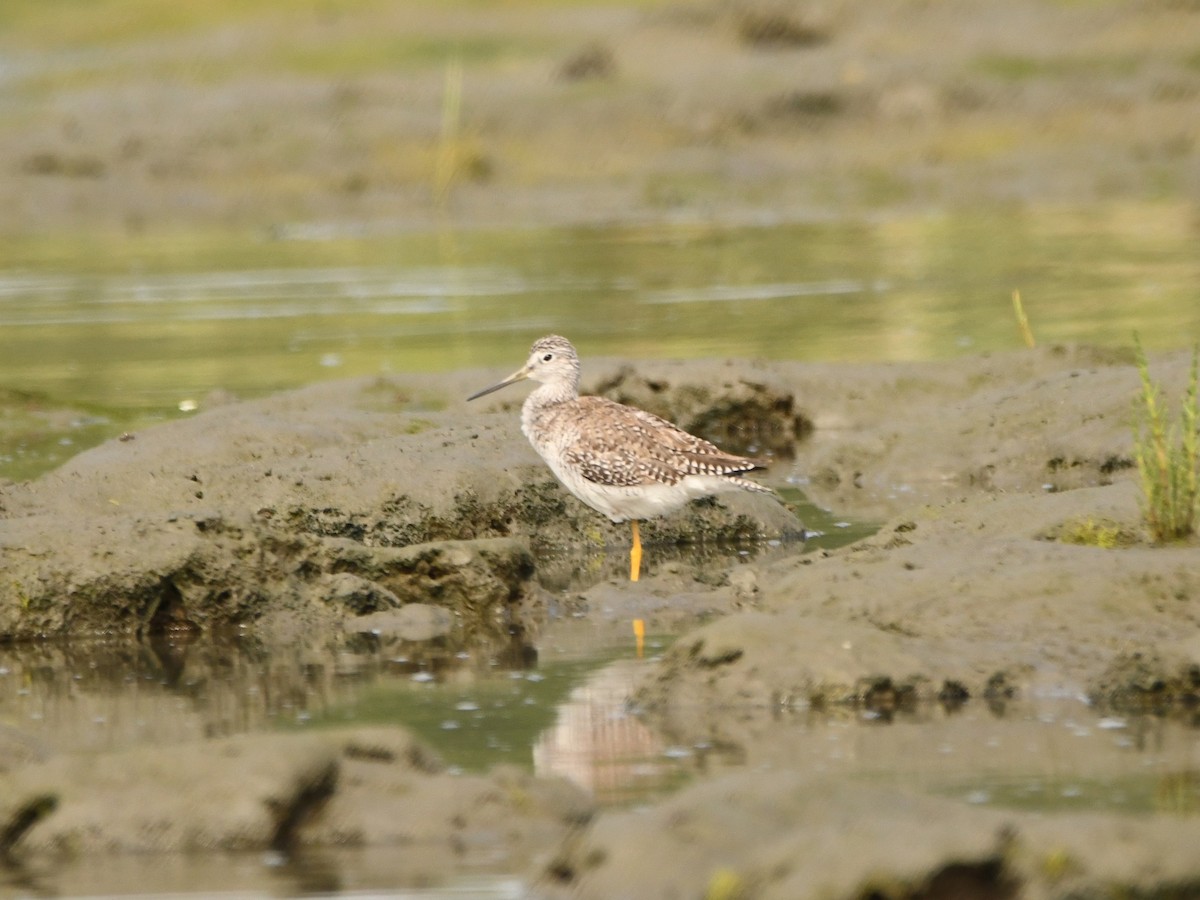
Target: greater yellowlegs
pixel 620 461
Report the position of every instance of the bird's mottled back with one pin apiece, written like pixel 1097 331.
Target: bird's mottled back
pixel 620 446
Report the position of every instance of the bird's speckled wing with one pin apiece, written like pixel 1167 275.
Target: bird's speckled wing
pixel 621 446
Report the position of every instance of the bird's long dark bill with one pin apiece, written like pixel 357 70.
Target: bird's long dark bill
pixel 511 379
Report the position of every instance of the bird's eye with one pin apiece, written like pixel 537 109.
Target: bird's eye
pixel 548 357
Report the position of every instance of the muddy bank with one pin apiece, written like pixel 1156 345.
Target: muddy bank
pixel 310 506
pixel 391 508
pixel 787 834
pixel 272 792
pixel 1013 560
pixel 975 599
pixel 727 109
pixel 351 497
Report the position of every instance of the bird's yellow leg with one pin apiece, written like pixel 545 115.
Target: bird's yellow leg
pixel 635 554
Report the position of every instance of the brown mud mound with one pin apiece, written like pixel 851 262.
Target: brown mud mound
pixel 283 792
pixel 962 600
pixel 1016 562
pixel 789 835
pixel 264 510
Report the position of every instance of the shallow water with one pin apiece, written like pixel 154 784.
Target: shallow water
pixel 124 335
pixel 556 710
pixel 562 712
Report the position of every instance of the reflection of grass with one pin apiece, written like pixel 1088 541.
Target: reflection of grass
pixel 1168 458
pixel 1178 792
pixel 203 250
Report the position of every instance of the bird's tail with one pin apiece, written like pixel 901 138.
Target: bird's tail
pixel 747 485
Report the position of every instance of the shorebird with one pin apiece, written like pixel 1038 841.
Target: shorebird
pixel 621 461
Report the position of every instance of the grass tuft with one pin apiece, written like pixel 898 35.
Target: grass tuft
pixel 1022 320
pixel 1092 532
pixel 1168 457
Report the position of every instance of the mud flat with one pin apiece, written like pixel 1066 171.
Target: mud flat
pixel 714 109
pixel 1011 566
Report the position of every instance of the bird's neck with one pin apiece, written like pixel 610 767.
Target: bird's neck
pixel 541 402
pixel 552 393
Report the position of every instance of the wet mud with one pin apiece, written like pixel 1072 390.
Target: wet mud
pixel 334 514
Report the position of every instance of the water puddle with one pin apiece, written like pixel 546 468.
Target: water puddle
pixel 136 334
pixel 563 709
pixel 560 709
